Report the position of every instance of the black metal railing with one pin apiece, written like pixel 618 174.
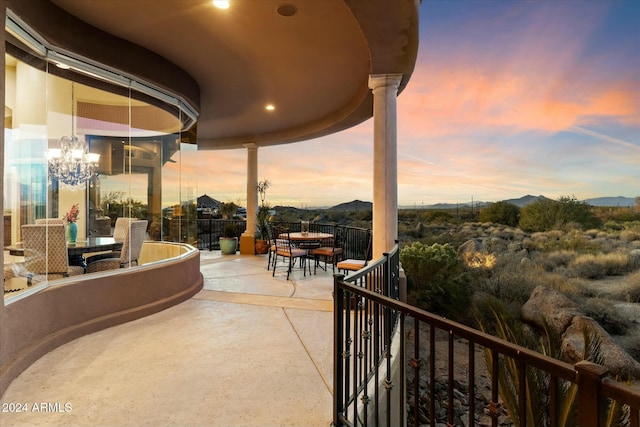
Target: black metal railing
pixel 364 332
pixel 210 230
pixel 355 239
pixel 370 390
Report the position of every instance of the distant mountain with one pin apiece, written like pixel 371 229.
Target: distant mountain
pixel 356 205
pixel 525 200
pixel 611 201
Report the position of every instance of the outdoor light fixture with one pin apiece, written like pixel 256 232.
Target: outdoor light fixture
pixel 72 163
pixel 221 4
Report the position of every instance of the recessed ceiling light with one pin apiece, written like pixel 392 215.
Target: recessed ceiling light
pixel 287 10
pixel 270 107
pixel 62 66
pixel 221 4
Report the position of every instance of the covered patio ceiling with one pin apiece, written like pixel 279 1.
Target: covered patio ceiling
pixel 310 59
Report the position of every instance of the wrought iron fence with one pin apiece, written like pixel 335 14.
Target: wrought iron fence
pixel 210 230
pixel 369 389
pixel 355 243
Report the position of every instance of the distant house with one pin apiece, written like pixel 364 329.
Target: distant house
pixel 207 202
pixel 207 206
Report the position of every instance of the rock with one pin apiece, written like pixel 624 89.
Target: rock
pixel 469 248
pixel 497 245
pixel 618 361
pixel 550 308
pixel 634 256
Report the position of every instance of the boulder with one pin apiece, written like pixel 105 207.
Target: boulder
pixel 468 250
pixel 470 246
pixel 619 362
pixel 549 308
pixel 496 244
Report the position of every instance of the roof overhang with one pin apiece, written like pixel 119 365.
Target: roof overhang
pixel 310 59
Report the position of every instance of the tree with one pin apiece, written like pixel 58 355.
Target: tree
pixel 547 214
pixel 228 210
pixel 114 206
pixel 540 215
pixel 501 213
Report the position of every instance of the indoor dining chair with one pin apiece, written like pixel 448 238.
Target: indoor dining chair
pixel 131 249
pixel 50 221
pixel 45 254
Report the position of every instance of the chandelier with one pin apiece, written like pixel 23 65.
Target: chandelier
pixel 72 163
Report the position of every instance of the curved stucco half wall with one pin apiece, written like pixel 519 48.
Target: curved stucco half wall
pixel 57 314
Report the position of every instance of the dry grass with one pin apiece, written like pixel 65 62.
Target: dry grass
pixel 594 266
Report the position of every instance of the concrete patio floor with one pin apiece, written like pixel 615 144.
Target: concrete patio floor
pixel 248 350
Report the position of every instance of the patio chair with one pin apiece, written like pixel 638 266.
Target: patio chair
pixel 45 254
pixel 133 240
pixel 356 264
pixel 285 249
pixel 272 245
pixel 333 252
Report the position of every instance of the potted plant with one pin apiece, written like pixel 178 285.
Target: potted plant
pixel 262 223
pixel 262 219
pixel 228 240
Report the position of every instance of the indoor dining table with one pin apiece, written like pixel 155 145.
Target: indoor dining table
pixel 77 250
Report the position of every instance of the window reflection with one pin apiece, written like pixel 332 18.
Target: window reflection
pixel 136 141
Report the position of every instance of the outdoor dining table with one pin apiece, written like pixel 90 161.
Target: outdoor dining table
pixel 311 236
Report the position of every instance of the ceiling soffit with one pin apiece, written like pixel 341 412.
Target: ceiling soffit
pixel 313 66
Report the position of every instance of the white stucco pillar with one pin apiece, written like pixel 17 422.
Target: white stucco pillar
pixel 247 240
pixel 385 162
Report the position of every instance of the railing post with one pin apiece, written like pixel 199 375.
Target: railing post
pixel 590 401
pixel 210 235
pixel 338 349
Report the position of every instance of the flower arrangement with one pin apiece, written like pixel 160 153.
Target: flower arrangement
pixel 72 215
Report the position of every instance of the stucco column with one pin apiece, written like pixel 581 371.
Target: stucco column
pixel 385 162
pixel 4 355
pixel 247 240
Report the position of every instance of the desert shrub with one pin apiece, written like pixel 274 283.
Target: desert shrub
pixel 593 232
pixel 557 240
pixel 436 279
pixel 560 281
pixel 437 216
pixel 612 225
pixel 633 288
pixel 512 280
pixel 630 235
pixel 603 312
pixel 501 213
pixel 630 292
pixel 547 214
pixel 594 266
pixel 552 260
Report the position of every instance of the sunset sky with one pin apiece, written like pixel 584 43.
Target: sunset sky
pixel 508 98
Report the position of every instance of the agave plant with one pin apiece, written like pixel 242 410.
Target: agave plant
pixel 538 383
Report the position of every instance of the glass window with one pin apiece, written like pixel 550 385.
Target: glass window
pixel 138 140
